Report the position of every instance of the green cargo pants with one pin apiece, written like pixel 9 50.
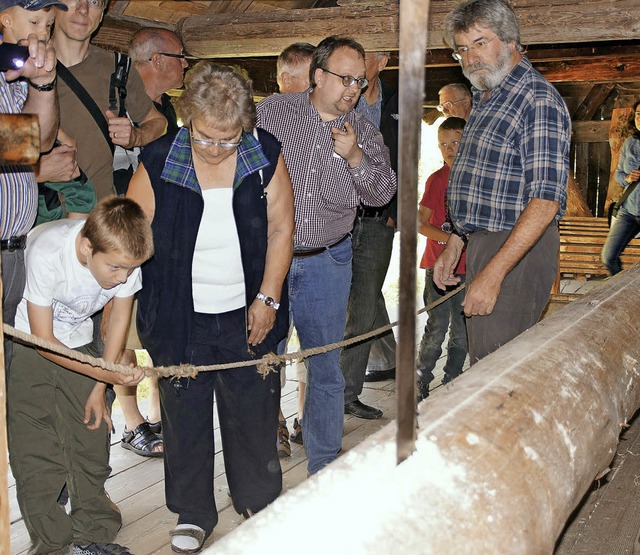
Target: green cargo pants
pixel 50 445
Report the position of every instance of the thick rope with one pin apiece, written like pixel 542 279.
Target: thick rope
pixel 266 364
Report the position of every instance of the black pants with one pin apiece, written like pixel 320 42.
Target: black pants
pixel 248 413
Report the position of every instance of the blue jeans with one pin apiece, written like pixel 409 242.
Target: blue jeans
pixel 318 297
pixel 624 228
pixel 446 316
pixel 372 245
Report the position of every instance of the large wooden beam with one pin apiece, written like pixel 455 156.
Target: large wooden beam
pixel 504 453
pixel 376 26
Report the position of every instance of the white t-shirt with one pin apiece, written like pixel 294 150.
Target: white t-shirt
pixel 217 274
pixel 56 278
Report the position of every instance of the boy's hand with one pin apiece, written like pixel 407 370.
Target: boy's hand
pixel 96 406
pixel 133 379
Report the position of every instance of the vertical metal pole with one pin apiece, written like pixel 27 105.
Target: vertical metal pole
pixel 414 16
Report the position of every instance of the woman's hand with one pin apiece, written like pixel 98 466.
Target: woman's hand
pixel 633 176
pixel 261 319
pixel 96 405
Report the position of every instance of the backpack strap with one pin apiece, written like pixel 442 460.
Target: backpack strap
pixel 86 100
pixel 118 84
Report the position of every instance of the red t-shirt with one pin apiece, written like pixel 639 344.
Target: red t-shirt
pixel 434 198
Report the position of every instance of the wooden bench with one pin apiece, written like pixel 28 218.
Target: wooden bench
pixel 581 242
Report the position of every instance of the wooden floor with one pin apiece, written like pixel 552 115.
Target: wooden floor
pixel 606 523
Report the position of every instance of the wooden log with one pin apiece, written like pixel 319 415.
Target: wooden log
pixel 504 453
pixel 5 532
pixel 19 139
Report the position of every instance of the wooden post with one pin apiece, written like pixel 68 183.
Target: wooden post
pixel 504 453
pixel 414 16
pixel 618 134
pixel 19 139
pixel 5 532
pixel 19 144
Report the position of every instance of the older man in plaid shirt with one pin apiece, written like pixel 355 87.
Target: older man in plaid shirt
pixel 336 159
pixel 508 183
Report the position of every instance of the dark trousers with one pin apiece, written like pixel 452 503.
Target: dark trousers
pixel 524 293
pixel 50 445
pixel 248 414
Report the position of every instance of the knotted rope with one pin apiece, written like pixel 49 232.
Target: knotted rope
pixel 268 363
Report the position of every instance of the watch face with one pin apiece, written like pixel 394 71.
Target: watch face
pixel 269 301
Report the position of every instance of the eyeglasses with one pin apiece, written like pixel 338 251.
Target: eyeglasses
pixel 348 80
pixel 170 55
pixel 206 143
pixel 479 45
pixel 448 104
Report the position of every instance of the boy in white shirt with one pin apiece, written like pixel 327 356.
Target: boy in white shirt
pixel 58 420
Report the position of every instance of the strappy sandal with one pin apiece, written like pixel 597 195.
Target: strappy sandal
pixel 156 427
pixel 284 449
pixel 188 531
pixel 142 441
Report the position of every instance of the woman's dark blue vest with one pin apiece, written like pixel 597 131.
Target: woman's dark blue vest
pixel 165 303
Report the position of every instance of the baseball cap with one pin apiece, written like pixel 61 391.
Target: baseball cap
pixel 32 5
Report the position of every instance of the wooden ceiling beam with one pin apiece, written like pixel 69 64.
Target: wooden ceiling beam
pixel 266 33
pixel 592 102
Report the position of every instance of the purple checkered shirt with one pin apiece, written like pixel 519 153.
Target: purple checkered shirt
pixel 326 190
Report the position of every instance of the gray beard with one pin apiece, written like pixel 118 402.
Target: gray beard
pixel 493 75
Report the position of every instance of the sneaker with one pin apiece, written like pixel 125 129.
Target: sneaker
pixel 284 449
pixel 100 549
pixel 296 435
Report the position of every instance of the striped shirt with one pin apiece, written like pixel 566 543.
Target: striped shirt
pixel 326 190
pixel 18 187
pixel 514 147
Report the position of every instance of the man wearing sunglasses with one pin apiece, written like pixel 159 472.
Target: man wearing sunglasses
pixel 337 159
pixel 508 183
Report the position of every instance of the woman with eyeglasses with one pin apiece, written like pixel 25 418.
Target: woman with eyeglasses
pixel 627 220
pixel 221 205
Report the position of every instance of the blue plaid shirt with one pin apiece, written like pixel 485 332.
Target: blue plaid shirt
pixel 514 147
pixel 179 168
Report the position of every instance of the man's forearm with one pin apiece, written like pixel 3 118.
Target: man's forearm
pixel 44 104
pixel 148 131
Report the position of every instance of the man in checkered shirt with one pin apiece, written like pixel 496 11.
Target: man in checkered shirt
pixel 508 182
pixel 336 159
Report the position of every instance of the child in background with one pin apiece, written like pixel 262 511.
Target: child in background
pixel 435 224
pixel 57 416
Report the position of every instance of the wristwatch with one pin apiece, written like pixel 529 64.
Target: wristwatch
pixel 268 301
pixel 45 88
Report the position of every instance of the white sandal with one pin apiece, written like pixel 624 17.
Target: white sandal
pixel 182 538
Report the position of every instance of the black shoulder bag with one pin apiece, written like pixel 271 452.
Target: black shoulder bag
pixel 615 206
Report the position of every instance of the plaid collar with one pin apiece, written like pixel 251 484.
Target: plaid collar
pixel 179 168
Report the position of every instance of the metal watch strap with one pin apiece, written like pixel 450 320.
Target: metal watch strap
pixel 269 301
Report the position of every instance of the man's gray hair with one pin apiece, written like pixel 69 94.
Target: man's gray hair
pixel 294 55
pixel 149 41
pixel 497 15
pixel 460 88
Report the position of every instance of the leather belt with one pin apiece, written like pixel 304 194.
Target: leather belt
pixel 369 212
pixel 320 250
pixel 15 243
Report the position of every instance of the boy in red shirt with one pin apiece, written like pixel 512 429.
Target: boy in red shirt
pixel 435 224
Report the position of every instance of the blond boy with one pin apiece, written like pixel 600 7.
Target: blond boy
pixel 20 18
pixel 58 419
